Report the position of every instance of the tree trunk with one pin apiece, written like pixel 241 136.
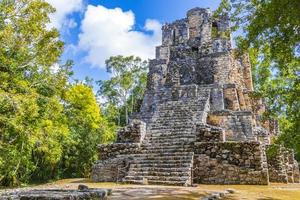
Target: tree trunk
pixel 119 117
pixel 126 108
pixel 132 103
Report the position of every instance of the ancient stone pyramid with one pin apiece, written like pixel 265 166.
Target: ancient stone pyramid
pixel 198 122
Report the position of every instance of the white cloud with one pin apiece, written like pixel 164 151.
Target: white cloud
pixel 64 8
pixel 108 32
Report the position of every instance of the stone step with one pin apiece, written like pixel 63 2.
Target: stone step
pixel 158 133
pixel 159 169
pixel 186 153
pixel 155 140
pixel 156 182
pixel 161 164
pixel 165 144
pixel 150 151
pixel 173 122
pixel 174 137
pixel 161 147
pixel 171 157
pixel 173 125
pixel 183 104
pixel 169 131
pixel 172 115
pixel 156 173
pixel 158 146
pixel 162 160
pixel 159 178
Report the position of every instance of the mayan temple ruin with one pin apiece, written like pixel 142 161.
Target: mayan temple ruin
pixel 198 122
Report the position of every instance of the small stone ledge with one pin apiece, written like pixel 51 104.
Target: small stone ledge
pixel 230 85
pixel 208 133
pixel 218 195
pixel 54 194
pixel 132 133
pixel 226 112
pixel 111 170
pixel 155 62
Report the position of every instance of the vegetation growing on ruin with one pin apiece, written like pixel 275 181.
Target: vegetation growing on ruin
pixel 271 37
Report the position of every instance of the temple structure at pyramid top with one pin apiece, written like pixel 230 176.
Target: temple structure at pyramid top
pixel 196 55
pixel 198 122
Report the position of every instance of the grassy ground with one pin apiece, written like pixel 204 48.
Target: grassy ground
pixel 243 192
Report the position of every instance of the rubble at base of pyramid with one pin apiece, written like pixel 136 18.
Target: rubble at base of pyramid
pixel 198 122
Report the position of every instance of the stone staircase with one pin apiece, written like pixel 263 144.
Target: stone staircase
pixel 165 156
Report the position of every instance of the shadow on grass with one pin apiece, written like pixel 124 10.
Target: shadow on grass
pixel 83 180
pixel 155 193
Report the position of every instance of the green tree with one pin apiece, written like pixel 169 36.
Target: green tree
pixel 126 84
pixel 87 129
pixel 271 35
pixel 32 124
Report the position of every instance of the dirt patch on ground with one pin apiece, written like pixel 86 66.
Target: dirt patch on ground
pixel 147 192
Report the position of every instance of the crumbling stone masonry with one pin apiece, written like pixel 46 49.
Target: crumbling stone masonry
pixel 282 165
pixel 83 192
pixel 198 122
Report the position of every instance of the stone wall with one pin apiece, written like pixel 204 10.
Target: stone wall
pixel 229 163
pixel 111 170
pixel 207 133
pixel 238 125
pixel 283 168
pixel 106 151
pixel 231 97
pixel 132 133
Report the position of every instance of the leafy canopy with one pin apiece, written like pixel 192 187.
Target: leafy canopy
pixel 128 81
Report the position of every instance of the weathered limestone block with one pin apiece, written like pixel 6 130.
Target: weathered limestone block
pixel 132 133
pixel 231 97
pixel 199 20
pixel 296 172
pixel 106 151
pixel 289 160
pixel 217 99
pixel 242 100
pixel 111 170
pixel 274 127
pixel 163 52
pixel 175 33
pixel 221 45
pixel 247 73
pixel 237 125
pixel 207 133
pixel 230 163
pixel 277 169
pixel 214 69
pixel 52 194
pixel 157 73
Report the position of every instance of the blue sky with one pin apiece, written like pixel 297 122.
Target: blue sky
pixel 93 30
